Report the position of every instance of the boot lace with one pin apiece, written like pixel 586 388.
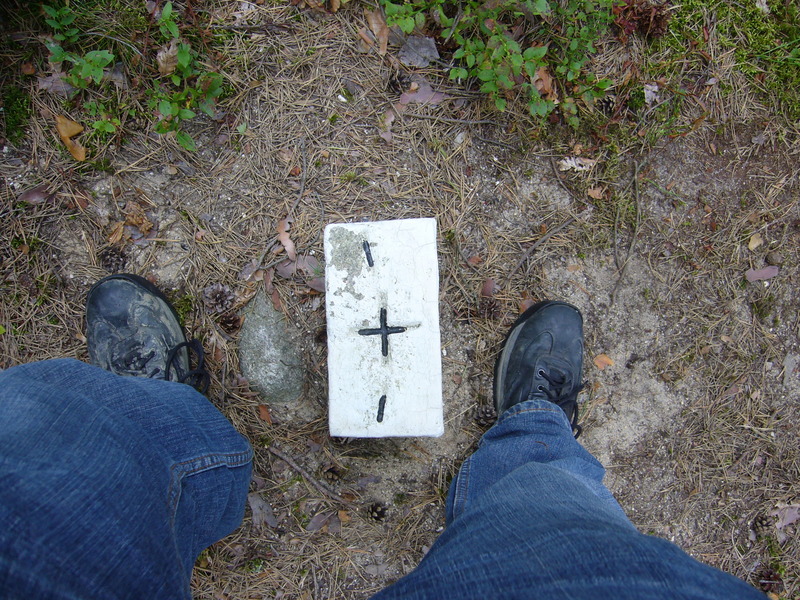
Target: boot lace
pixel 559 393
pixel 198 377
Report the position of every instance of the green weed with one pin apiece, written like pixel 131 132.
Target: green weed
pixel 558 41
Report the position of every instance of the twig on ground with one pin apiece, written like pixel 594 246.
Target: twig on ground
pixel 538 243
pixel 623 269
pixel 321 487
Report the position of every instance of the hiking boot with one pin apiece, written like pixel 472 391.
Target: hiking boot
pixel 542 359
pixel 132 329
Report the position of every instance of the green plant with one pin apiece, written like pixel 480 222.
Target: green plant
pixel 185 89
pixel 182 90
pixel 491 45
pixel 61 20
pixel 16 110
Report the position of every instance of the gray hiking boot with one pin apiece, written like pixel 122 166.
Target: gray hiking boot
pixel 132 329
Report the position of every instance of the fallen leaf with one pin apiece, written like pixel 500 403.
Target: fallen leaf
pixel 543 82
pixel 319 520
pixel 286 155
pixel 602 361
pixel 787 515
pixel 115 236
pixel 576 163
pixel 81 199
pixel 285 240
pixel 651 93
pixel 67 129
pixel 344 516
pixel 263 413
pixel 755 241
pixel 377 23
pixel 525 304
pixel 317 284
pixel 489 288
pixel 596 193
pixel 335 5
pixel 35 195
pixel 55 84
pixel 385 124
pixel 249 270
pixel 474 260
pixel 422 94
pixel 418 51
pixel 27 68
pixel 761 274
pixel 295 171
pixel 458 379
pixel 262 511
pixel 167 58
pixel 276 300
pixel 726 338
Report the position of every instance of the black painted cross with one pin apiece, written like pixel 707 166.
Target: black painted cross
pixel 384 331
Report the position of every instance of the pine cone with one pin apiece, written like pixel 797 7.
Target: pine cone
pixel 762 525
pixel 332 474
pixel 768 579
pixel 230 322
pixel 218 298
pixel 606 104
pixel 112 259
pixel 485 415
pixel 377 511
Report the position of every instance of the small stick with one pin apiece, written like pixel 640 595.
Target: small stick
pixel 321 487
pixel 635 233
pixel 538 243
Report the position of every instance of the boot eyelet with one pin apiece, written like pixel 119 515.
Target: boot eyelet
pixel 540 372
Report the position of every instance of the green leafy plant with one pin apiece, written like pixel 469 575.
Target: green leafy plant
pixel 61 20
pixel 513 45
pixel 185 90
pixel 182 90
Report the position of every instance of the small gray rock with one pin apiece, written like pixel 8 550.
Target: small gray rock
pixel 269 352
pixel 775 258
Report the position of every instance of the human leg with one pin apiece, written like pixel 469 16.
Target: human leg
pixel 528 515
pixel 110 486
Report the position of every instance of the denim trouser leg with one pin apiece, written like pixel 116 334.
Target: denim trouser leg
pixel 529 517
pixel 111 486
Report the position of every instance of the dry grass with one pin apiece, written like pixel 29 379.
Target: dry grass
pixel 495 196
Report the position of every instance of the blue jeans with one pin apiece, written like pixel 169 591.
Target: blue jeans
pixel 111 486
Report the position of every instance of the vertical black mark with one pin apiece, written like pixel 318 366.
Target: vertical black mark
pixel 368 252
pixel 381 407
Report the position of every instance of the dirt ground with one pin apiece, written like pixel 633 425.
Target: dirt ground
pixel 694 411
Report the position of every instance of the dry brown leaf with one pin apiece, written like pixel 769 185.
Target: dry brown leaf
pixel 115 237
pixel 377 24
pixel 286 155
pixel 755 241
pixel 27 68
pixel 35 195
pixel 596 193
pixel 167 58
pixel 543 82
pixel 67 129
pixel 276 300
pixel 344 516
pixel 263 413
pixel 601 361
pixel 335 5
pixel 421 93
pixel 726 338
pixel 283 237
pixel 474 260
pixel 489 288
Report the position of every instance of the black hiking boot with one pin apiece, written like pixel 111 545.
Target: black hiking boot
pixel 132 329
pixel 542 358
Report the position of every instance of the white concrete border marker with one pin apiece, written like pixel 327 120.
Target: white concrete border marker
pixel 384 351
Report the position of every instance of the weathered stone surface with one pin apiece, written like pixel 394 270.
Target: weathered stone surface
pixel 269 352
